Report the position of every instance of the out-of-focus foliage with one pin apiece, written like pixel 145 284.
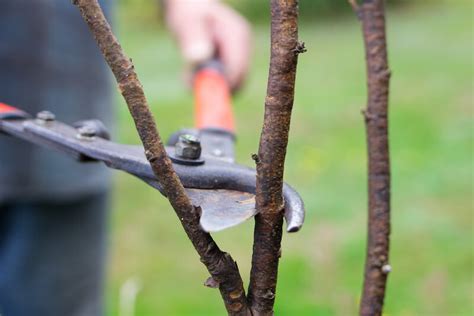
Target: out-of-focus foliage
pixel 258 11
pixel 255 11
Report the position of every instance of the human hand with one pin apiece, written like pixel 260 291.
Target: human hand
pixel 206 29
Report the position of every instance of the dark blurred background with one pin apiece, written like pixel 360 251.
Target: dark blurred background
pixel 431 57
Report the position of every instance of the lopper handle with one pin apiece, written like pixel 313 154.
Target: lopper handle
pixel 5 108
pixel 213 104
pixel 9 112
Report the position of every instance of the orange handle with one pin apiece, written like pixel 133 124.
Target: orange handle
pixel 10 112
pixel 6 109
pixel 213 103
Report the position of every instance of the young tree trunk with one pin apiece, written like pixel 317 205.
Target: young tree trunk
pixel 220 265
pixel 271 155
pixel 372 15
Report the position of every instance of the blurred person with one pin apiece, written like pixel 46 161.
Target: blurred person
pixel 53 210
pixel 207 29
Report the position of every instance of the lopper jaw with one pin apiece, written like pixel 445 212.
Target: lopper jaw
pixel 224 190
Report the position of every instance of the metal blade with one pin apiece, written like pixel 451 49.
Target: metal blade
pixel 222 209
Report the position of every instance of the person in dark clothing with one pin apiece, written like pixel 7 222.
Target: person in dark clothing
pixel 53 210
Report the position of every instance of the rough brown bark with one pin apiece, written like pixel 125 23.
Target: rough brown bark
pixel 271 155
pixel 372 15
pixel 220 265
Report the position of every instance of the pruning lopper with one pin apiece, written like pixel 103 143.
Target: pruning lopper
pixel 202 157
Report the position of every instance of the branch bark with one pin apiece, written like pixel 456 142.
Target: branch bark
pixel 220 265
pixel 372 15
pixel 271 155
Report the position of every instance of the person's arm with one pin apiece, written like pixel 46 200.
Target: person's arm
pixel 207 29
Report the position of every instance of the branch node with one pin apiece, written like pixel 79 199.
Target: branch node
pixel 269 295
pixel 386 268
pixel 300 48
pixel 371 117
pixel 355 6
pixel 151 157
pixel 197 210
pixel 211 283
pixel 367 115
pixel 384 74
pixel 256 158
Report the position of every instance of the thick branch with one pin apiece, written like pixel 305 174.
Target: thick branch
pixel 372 14
pixel 271 155
pixel 220 265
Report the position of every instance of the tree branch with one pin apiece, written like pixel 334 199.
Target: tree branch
pixel 220 265
pixel 372 15
pixel 271 155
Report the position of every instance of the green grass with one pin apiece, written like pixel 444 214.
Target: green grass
pixel 431 57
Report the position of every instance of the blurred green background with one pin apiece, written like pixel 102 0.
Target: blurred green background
pixel 431 130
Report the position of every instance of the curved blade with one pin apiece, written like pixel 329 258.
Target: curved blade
pixel 221 209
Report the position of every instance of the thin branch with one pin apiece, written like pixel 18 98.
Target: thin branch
pixel 220 265
pixel 354 5
pixel 372 14
pixel 271 155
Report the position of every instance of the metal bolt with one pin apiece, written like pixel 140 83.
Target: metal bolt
pixel 86 131
pixel 45 116
pixel 188 147
pixel 386 268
